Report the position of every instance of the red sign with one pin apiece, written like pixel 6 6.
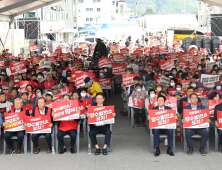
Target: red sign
pixel 166 64
pixel 114 47
pixel 3 64
pixel 203 50
pixel 101 114
pixel 34 47
pixel 163 50
pixel 14 121
pixel 155 50
pixel 173 56
pixel 170 102
pixel 36 59
pixel 17 67
pixel 219 119
pixel 49 104
pixel 67 90
pixel 104 82
pixel 105 62
pixel 124 51
pixel 147 50
pixel 38 124
pixel 70 68
pixel 162 119
pixel 65 110
pixel 118 68
pixel 58 98
pixel 135 102
pixel 23 84
pixel 187 103
pixel 73 74
pixel 193 51
pixel 202 95
pixel 211 106
pixel 196 118
pixel 88 102
pixel 118 57
pixel 84 45
pixel 77 50
pixel 127 79
pixel 65 56
pixel 82 107
pixel 81 76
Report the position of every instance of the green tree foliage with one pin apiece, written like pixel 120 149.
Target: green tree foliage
pixel 161 7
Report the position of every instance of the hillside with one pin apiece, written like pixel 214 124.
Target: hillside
pixel 164 6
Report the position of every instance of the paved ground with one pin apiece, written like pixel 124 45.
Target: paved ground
pixel 131 151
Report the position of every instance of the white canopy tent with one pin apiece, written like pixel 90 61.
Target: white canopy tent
pixel 12 8
pixel 213 2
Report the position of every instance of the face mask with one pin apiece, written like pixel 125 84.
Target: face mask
pixel 218 87
pixel 159 74
pixel 101 75
pixel 199 68
pixel 178 89
pixel 39 77
pixel 133 64
pixel 172 84
pixel 68 78
pixel 193 85
pixel 152 95
pixel 139 90
pixel 215 68
pixel 3 73
pixel 159 89
pixel 83 94
pixel 44 72
pixel 174 72
pixel 105 70
pixel 39 94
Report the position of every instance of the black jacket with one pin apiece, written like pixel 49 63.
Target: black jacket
pixel 180 108
pixel 217 108
pixel 100 51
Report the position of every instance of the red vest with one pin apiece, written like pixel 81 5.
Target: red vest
pixel 37 113
pixel 48 85
pixel 68 125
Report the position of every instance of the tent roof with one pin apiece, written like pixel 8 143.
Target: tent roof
pixel 12 8
pixel 213 2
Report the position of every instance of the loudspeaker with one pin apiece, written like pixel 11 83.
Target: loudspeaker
pixel 216 25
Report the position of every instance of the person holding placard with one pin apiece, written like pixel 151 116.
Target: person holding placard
pixel 201 131
pixel 100 128
pixel 19 134
pixel 67 127
pixel 161 106
pixel 37 112
pixel 216 109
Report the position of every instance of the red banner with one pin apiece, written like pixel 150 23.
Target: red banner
pixel 166 64
pixel 38 124
pixel 135 102
pixel 124 51
pixel 193 51
pixel 162 119
pixel 163 50
pixel 118 57
pixel 155 50
pixel 196 118
pixel 105 62
pixel 211 106
pixel 58 98
pixel 101 114
pixel 219 119
pixel 104 82
pixel 118 68
pixel 81 76
pixel 88 102
pixel 114 47
pixel 64 56
pixel 202 95
pixel 17 67
pixel 173 56
pixel 49 104
pixel 14 121
pixel 84 45
pixel 67 90
pixel 34 47
pixel 78 50
pixel 73 74
pixel 36 59
pixel 170 102
pixel 65 110
pixel 203 50
pixel 127 79
pixel 23 84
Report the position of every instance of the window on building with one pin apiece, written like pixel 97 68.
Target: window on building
pixel 91 9
pixel 87 9
pixel 87 19
pixel 121 9
pixel 91 19
pixel 48 16
pixel 97 0
pixel 98 9
pixel 30 15
pixel 80 1
pixel 60 16
pixel 66 16
pixel 54 16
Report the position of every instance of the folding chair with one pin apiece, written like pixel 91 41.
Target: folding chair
pixel 161 136
pixel 100 136
pixel 194 136
pixel 0 137
pixel 216 139
pixel 42 137
pixel 14 138
pixel 66 137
